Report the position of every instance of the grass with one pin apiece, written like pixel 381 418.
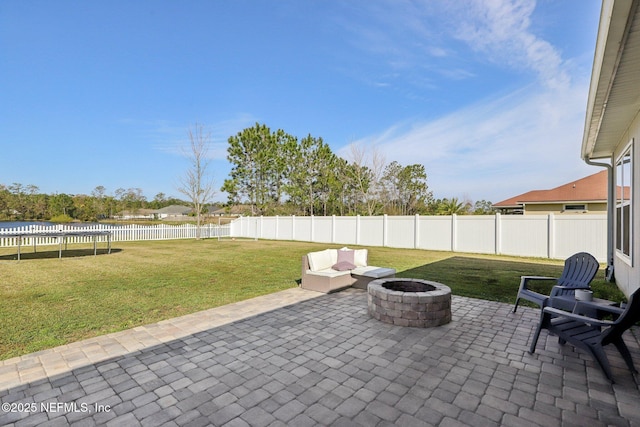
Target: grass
pixel 46 301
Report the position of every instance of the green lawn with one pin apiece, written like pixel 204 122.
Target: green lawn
pixel 46 301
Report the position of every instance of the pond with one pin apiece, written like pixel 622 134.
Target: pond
pixel 16 224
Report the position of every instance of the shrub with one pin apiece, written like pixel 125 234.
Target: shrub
pixel 61 219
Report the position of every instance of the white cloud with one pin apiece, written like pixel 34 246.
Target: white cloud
pixel 505 145
pixel 409 35
pixel 494 149
pixel 402 35
pixel 171 138
pixel 500 29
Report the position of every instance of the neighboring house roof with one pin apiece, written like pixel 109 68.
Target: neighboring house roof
pixel 213 208
pixel 592 188
pixel 614 94
pixel 233 210
pixel 175 210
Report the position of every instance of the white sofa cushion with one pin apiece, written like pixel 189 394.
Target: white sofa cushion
pixel 330 273
pixel 373 272
pixel 360 257
pixel 322 260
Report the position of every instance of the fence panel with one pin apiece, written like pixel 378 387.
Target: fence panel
pixel 346 230
pixel 285 227
pixel 434 233
pixel 524 235
pixel 400 231
pixel 575 231
pixel 476 234
pixel 269 227
pixel 302 229
pixel 119 233
pixel 322 229
pixel 251 227
pixel 544 236
pixel 371 231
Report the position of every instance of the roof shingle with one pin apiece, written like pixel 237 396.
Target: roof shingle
pixel 588 189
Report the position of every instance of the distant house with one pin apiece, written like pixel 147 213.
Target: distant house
pixel 587 195
pixel 174 211
pixel 137 214
pixel 234 210
pixel 215 209
pixel 612 132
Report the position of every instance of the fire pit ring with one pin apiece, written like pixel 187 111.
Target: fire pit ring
pixel 409 302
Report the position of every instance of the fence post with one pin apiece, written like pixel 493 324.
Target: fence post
pixel 416 231
pixel 385 229
pixel 358 229
pixel 498 234
pixel 312 227
pixel 333 228
pixel 255 236
pixel 551 236
pixel 454 232
pixel 293 227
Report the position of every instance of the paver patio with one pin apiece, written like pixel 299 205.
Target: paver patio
pixel 302 358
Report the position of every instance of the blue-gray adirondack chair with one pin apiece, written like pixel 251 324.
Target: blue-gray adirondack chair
pixel 592 334
pixel 579 271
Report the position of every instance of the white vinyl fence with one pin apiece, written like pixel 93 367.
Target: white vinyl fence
pixel 119 233
pixel 544 236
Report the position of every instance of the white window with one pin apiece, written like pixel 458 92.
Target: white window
pixel 624 210
pixel 574 208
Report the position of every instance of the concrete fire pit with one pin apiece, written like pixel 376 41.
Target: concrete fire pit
pixel 409 302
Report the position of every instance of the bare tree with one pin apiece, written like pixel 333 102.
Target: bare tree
pixel 195 183
pixel 367 174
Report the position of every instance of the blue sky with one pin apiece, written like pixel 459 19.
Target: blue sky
pixel 489 95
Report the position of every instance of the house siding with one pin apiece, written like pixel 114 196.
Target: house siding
pixel 627 274
pixel 558 209
pixel 612 121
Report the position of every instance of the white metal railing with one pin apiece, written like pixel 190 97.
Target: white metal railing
pixel 119 233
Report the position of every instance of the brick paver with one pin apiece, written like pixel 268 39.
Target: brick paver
pixel 302 358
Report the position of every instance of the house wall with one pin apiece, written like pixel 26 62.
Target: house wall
pixel 627 275
pixel 557 208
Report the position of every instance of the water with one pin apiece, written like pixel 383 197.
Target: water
pixel 15 224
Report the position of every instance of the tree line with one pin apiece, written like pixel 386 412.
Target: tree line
pixel 274 173
pixel 20 202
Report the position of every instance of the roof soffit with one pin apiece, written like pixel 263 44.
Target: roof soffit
pixel 614 96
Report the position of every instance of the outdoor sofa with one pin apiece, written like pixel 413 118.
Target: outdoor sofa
pixel 331 270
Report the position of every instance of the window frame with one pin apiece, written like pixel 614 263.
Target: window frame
pixel 624 206
pixel 575 207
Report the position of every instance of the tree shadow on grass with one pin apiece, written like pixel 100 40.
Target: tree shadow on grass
pixel 497 280
pixel 66 253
